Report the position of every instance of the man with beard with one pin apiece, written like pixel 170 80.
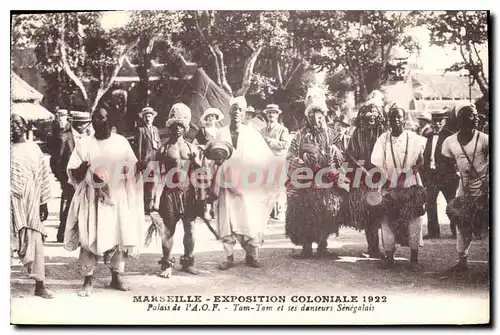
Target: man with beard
pixel 106 215
pixel 358 214
pixel 469 211
pixel 177 198
pixel 29 194
pixel 398 155
pixel 438 174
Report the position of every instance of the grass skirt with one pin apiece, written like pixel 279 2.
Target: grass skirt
pixel 357 213
pixel 470 213
pixel 311 215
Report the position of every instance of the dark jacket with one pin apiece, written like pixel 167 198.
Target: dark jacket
pixel 444 166
pixel 147 143
pixel 66 147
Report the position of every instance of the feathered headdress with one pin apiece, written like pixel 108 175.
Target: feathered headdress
pixel 375 98
pixel 315 100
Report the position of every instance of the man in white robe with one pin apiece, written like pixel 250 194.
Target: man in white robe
pixel 106 214
pixel 244 202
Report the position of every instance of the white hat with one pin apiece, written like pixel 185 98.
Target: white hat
pixel 462 105
pixel 77 116
pixel 272 107
pixel 212 111
pixel 426 116
pixel 181 114
pixel 240 101
pixel 146 110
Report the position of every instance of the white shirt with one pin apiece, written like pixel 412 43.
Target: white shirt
pixel 433 151
pixel 76 135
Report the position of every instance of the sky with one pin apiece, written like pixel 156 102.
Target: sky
pixel 435 58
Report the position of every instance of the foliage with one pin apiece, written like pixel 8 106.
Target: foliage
pixel 73 48
pixel 466 31
pixel 359 43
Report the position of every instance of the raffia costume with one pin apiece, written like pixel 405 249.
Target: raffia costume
pixel 311 211
pixel 357 213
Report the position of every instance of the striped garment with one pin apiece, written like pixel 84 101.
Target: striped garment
pixel 30 186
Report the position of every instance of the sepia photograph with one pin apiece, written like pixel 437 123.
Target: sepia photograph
pixel 250 167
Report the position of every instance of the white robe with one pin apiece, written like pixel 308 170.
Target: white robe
pixel 95 225
pixel 245 209
pixel 382 156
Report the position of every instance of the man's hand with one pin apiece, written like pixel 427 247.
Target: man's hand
pixel 79 173
pixel 44 212
pixel 141 166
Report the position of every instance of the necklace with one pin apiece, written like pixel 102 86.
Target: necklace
pixel 394 156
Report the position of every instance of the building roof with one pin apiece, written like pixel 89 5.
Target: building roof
pixel 22 91
pixel 31 111
pixel 447 86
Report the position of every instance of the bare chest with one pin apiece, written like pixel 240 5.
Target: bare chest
pixel 176 154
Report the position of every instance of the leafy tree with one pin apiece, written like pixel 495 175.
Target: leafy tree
pixel 244 51
pixel 466 31
pixel 359 43
pixel 154 31
pixel 75 46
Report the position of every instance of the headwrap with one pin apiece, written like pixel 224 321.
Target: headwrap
pixel 240 101
pixel 181 114
pixel 460 106
pixel 395 106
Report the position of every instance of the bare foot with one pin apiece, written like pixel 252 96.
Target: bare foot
pixel 191 269
pixel 85 291
pixel 119 285
pixel 44 293
pixel 166 273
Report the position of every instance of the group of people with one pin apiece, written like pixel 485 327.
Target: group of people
pixel 387 179
pixel 109 187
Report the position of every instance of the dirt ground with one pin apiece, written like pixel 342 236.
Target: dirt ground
pixel 434 296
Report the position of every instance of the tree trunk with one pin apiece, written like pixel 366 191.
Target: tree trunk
pixel 142 71
pixel 248 72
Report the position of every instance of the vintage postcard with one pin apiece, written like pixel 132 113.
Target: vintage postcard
pixel 210 167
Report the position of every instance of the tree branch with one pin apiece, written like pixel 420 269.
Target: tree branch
pixel 480 63
pixel 292 74
pixel 121 59
pixel 278 73
pixel 67 68
pixel 218 67
pixel 224 83
pixel 248 72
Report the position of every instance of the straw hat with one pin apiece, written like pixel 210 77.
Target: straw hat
pixel 272 107
pixel 62 112
pixel 426 116
pixel 212 111
pixel 147 110
pixel 76 116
